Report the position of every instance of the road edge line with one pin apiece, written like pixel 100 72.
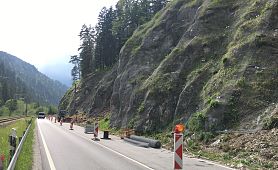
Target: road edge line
pixel 214 163
pixel 49 158
pixel 116 152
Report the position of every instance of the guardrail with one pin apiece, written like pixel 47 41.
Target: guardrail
pixel 18 149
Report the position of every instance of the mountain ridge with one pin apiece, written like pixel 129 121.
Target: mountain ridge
pixel 39 87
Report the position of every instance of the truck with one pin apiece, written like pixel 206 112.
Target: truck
pixel 41 115
pixel 62 114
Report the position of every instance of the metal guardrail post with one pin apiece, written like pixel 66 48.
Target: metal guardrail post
pixel 17 152
pixel 12 141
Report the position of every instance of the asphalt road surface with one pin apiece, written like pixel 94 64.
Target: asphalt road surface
pixel 64 149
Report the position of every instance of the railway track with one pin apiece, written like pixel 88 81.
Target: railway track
pixel 9 119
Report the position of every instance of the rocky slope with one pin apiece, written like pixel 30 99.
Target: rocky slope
pixel 210 64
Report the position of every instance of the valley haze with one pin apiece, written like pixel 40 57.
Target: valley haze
pixel 47 39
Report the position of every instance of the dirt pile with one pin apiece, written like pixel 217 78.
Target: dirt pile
pixel 257 150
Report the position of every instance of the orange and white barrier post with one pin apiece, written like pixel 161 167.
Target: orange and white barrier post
pixel 71 125
pixel 61 122
pixel 96 131
pixel 178 147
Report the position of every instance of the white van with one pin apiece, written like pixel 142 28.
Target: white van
pixel 41 115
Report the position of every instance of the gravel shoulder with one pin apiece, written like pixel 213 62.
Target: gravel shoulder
pixel 37 160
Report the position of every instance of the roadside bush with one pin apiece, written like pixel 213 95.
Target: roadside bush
pixel 270 123
pixel 4 111
pixel 197 122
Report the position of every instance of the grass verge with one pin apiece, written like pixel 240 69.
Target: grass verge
pixel 25 159
pixel 20 126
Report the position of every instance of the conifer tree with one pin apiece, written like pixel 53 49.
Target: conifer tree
pixel 75 71
pixel 87 38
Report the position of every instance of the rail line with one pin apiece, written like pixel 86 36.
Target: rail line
pixel 9 119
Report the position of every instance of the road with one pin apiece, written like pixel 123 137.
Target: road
pixel 64 149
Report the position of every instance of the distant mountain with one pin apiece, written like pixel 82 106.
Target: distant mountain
pixel 60 71
pixel 20 79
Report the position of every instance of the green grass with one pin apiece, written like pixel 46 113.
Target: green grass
pixel 20 126
pixel 25 158
pixel 104 123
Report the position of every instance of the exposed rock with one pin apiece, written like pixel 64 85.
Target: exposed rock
pixel 213 63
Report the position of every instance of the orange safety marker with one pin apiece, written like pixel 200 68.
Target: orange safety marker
pixel 96 131
pixel 178 146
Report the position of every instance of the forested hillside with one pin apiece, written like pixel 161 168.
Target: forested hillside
pixel 19 79
pixel 101 44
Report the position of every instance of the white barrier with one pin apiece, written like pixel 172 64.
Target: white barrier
pixel 178 148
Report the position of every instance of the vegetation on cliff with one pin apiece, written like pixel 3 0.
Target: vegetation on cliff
pixel 211 65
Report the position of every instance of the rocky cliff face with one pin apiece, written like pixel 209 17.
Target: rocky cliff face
pixel 210 64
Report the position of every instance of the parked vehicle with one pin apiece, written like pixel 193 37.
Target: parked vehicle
pixel 41 115
pixel 62 114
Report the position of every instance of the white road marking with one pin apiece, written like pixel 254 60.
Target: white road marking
pixel 50 161
pixel 118 153
pixel 207 161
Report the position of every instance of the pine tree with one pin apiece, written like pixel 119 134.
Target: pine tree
pixel 87 38
pixel 157 5
pixel 106 51
pixel 75 71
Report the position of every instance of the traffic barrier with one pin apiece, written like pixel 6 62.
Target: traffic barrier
pixel 106 135
pixel 178 151
pixel 178 146
pixel 61 122
pixel 96 131
pixel 89 128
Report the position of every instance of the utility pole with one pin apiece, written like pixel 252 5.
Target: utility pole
pixel 26 108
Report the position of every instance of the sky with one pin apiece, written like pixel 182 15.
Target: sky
pixel 44 33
